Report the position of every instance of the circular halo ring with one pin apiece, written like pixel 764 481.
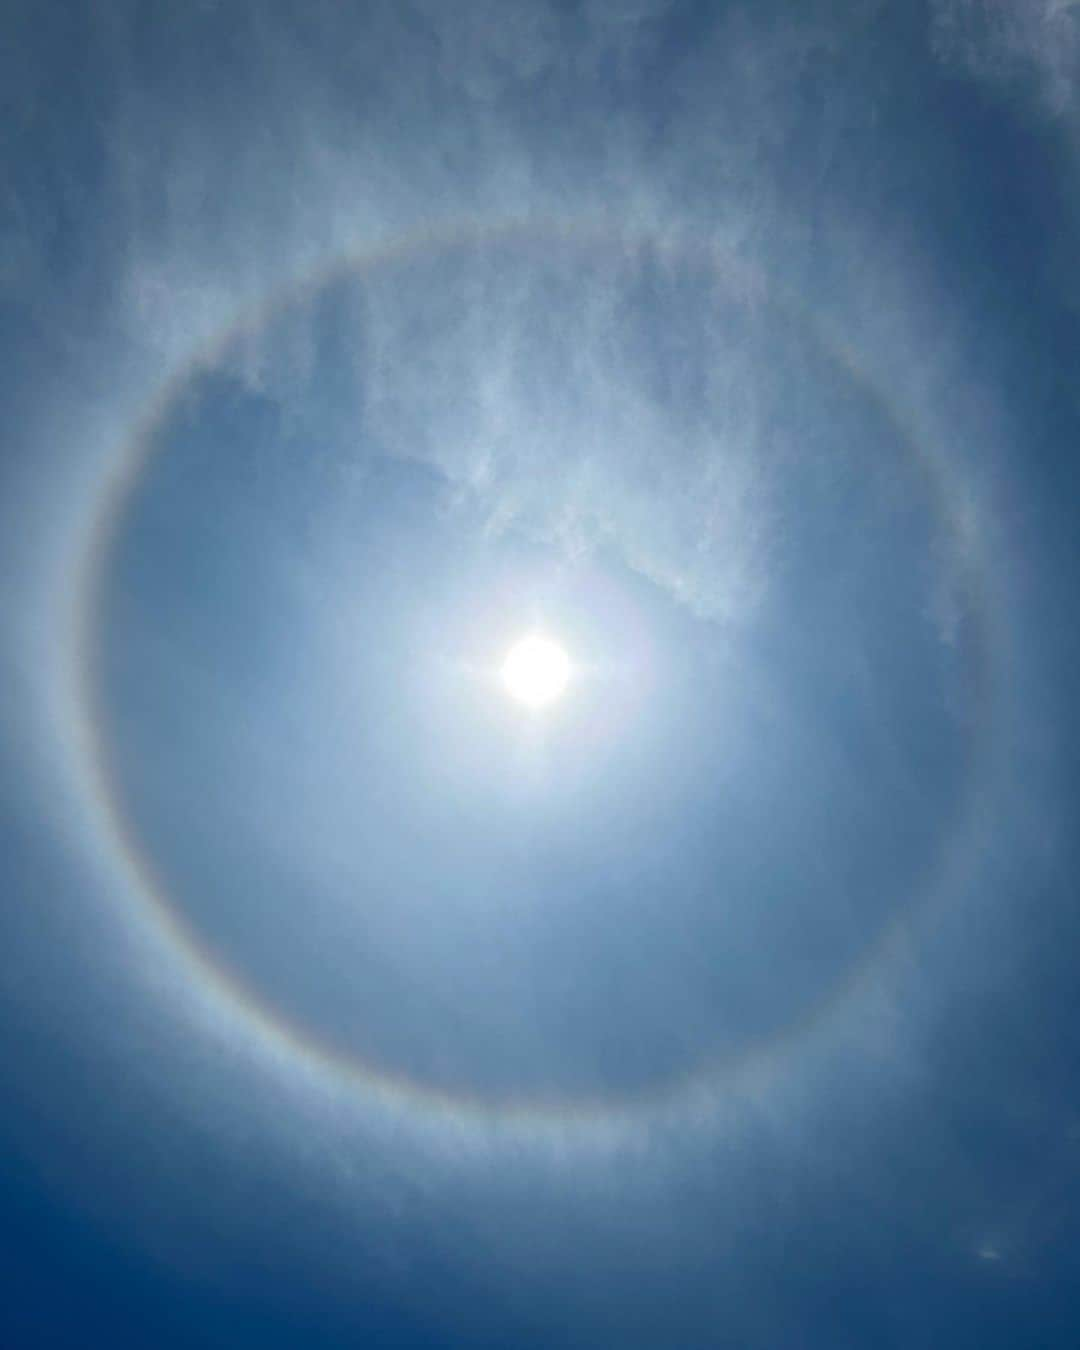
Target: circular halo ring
pixel 678 1092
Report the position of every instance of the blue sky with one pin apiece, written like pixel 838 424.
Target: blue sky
pixel 730 1000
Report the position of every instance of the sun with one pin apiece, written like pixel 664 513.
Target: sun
pixel 536 671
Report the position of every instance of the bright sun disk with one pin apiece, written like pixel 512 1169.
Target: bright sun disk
pixel 536 671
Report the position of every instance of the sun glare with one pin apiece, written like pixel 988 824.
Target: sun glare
pixel 536 671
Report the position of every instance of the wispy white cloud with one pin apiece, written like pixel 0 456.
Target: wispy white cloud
pixel 1032 43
